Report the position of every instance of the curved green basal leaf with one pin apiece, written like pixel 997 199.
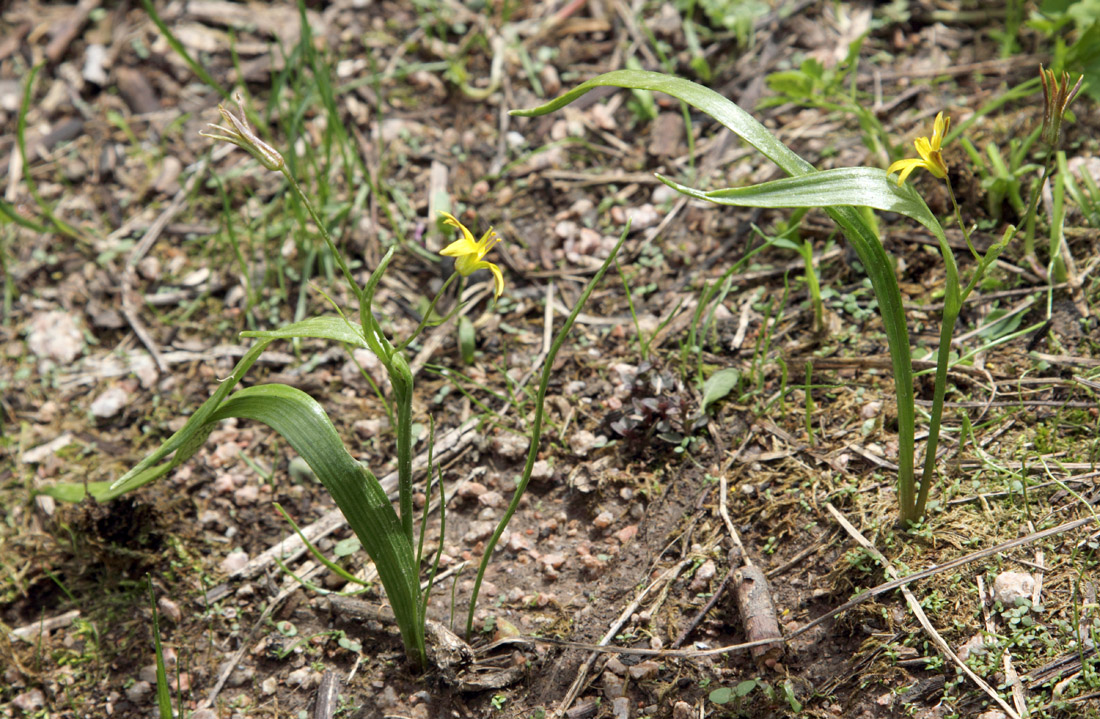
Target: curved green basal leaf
pixel 336 329
pixel 302 421
pixel 186 441
pixel 183 440
pixel 860 234
pixel 856 186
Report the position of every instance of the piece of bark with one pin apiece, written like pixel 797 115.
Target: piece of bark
pixel 63 131
pixel 754 604
pixel 327 694
pixel 136 91
pixel 65 31
pixel 14 38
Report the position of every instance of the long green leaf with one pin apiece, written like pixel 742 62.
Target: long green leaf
pixel 856 186
pixel 861 235
pixel 336 329
pixel 302 421
pixel 187 440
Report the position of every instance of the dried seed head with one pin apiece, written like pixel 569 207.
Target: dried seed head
pixel 1057 95
pixel 241 135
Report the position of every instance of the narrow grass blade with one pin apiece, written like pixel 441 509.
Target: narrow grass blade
pixel 164 693
pixel 176 45
pixel 536 426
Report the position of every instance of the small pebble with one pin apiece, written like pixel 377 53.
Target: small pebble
pixel 472 490
pixel 620 708
pixel 55 336
pixel 517 543
pixel 703 575
pixel 492 499
pixel 169 609
pixel 248 494
pixel 94 57
pixel 299 677
pixel 643 217
pixel 139 691
pixel 510 446
pixel 627 533
pixel 554 560
pixel 234 562
pixel 615 666
pixel 565 229
pixel 224 484
pixel 582 442
pixel 149 268
pixel 603 520
pixel 110 402
pixel 541 471
pixel 1009 587
pixel 644 670
pixel 166 182
pixel 478 531
pixel 870 410
pixel 30 700
pixel 551 82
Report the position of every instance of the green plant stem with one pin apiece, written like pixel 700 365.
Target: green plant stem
pixel 943 357
pixel 536 426
pixel 813 286
pixel 402 381
pixel 164 694
pixel 352 284
pixel 428 315
pixel 947 327
pixel 959 219
pixel 1029 219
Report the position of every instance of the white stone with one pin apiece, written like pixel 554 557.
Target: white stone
pixel 55 336
pixel 110 402
pixel 582 442
pixel 235 561
pixel 643 217
pixel 139 692
pixel 1008 587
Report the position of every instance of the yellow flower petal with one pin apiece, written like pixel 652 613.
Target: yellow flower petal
pixel 449 219
pixel 906 167
pixel 460 248
pixel 929 151
pixel 924 149
pixel 939 129
pixel 498 280
pixel 469 254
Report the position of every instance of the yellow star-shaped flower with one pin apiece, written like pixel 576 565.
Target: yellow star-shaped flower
pixel 469 254
pixel 929 150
